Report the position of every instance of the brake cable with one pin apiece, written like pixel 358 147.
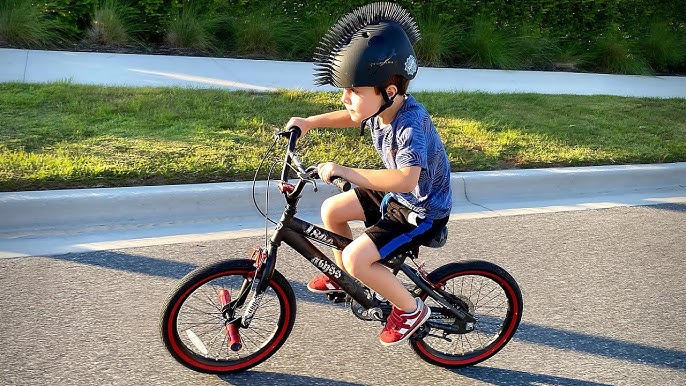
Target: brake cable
pixel 254 182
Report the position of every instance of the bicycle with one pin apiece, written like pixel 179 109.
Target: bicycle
pixel 232 315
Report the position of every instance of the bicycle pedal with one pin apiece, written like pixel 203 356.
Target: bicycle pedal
pixel 421 333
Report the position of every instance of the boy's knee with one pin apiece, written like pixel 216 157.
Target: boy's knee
pixel 329 209
pixel 326 208
pixel 350 262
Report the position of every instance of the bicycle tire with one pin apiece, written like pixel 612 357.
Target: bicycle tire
pixel 482 286
pixel 193 308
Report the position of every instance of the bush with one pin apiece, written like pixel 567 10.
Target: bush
pixel 486 46
pixel 440 40
pixel 191 28
pixel 615 52
pixel 23 24
pixel 72 16
pixel 628 36
pixel 111 24
pixel 663 48
pixel 262 33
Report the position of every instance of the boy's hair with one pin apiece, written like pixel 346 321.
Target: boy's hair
pixel 400 82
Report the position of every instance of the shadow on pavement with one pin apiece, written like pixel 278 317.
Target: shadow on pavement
pixel 520 378
pixel 531 333
pixel 671 207
pixel 598 345
pixel 268 378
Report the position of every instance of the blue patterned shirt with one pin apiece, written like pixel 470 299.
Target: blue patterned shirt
pixel 411 139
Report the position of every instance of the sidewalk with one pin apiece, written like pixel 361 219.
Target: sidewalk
pixel 63 221
pixel 263 75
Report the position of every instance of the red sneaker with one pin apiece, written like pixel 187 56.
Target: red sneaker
pixel 401 326
pixel 323 285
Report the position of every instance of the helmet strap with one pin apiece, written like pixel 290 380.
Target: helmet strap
pixel 388 102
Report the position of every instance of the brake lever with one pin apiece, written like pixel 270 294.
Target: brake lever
pixel 311 176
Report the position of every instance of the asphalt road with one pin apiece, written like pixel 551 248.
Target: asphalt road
pixel 604 304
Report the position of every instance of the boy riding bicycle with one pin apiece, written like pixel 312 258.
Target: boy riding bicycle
pixel 368 53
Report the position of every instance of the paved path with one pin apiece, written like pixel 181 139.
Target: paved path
pixel 263 75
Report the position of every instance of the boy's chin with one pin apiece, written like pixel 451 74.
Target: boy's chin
pixel 355 117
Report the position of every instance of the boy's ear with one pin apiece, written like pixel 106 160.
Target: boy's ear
pixel 392 91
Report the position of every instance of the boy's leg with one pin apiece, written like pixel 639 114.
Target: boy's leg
pixel 408 314
pixel 360 259
pixel 336 212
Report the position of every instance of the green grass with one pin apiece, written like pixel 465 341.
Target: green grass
pixel 65 136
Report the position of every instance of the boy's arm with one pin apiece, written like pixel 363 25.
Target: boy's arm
pixel 334 119
pixel 402 180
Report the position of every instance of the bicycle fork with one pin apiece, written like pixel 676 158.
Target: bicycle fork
pixel 229 306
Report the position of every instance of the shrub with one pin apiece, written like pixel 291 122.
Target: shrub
pixel 191 28
pixel 307 31
pixel 23 24
pixel 72 16
pixel 663 48
pixel 440 40
pixel 111 24
pixel 613 52
pixel 261 34
pixel 535 49
pixel 487 47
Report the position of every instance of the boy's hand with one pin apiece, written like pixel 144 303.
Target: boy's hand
pixel 302 123
pixel 329 169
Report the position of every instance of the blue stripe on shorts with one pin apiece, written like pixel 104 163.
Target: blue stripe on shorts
pixel 405 238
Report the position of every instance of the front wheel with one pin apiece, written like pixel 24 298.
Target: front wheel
pixel 193 323
pixel 490 295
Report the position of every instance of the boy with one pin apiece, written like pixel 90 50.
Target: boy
pixel 368 53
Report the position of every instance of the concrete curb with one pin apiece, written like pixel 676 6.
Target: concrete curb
pixel 502 186
pixel 79 209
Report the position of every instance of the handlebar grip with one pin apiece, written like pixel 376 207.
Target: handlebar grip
pixel 340 183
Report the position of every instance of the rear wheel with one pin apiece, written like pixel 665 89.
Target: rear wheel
pixel 193 325
pixel 490 295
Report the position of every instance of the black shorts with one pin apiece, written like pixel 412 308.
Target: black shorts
pixel 393 233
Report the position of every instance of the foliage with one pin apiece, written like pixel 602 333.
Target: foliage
pixel 23 24
pixel 111 24
pixel 73 16
pixel 663 48
pixel 628 36
pixel 440 40
pixel 615 53
pixel 487 46
pixel 261 33
pixel 191 28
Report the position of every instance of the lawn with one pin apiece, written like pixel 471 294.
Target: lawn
pixel 63 135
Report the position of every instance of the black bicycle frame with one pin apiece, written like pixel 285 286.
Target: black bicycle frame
pixel 297 234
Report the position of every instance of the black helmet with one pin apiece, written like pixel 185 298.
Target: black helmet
pixel 366 47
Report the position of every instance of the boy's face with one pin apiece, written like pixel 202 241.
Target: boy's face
pixel 361 102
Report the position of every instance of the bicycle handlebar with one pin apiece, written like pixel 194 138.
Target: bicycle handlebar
pixel 342 184
pixel 293 133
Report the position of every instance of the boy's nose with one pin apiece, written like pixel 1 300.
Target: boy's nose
pixel 345 98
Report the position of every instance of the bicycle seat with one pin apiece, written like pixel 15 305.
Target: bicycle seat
pixel 439 240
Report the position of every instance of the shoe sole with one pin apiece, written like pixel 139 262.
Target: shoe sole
pixel 324 291
pixel 409 334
